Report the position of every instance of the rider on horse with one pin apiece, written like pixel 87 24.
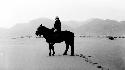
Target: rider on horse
pixel 57 25
pixel 57 36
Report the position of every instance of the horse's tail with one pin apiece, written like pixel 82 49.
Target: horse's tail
pixel 72 44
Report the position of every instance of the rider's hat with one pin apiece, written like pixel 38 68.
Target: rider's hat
pixel 41 25
pixel 56 18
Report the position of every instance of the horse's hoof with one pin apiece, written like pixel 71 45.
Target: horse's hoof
pixel 72 55
pixel 49 54
pixel 52 54
pixel 65 54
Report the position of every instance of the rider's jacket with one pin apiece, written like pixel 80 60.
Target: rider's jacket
pixel 57 25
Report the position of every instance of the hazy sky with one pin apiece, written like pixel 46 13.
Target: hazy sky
pixel 22 11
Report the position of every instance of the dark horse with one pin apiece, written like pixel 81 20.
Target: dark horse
pixel 56 37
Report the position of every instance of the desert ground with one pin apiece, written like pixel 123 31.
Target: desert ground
pixel 24 53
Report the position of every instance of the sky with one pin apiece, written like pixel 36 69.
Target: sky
pixel 22 11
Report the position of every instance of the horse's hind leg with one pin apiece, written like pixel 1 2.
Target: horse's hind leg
pixel 67 47
pixel 72 49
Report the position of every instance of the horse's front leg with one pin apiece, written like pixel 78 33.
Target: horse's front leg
pixel 51 47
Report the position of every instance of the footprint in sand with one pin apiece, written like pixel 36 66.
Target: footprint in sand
pixel 89 60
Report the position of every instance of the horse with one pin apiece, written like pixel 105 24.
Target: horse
pixel 56 37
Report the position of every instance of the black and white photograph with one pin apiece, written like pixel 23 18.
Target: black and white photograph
pixel 62 35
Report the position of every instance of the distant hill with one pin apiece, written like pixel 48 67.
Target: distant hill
pixel 102 27
pixel 24 29
pixel 90 27
pixel 2 30
pixel 73 24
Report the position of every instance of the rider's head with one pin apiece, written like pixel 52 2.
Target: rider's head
pixel 41 25
pixel 57 18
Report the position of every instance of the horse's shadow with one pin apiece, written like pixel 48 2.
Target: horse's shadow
pixel 56 37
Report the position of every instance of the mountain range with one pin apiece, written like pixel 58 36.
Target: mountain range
pixel 92 26
pixel 102 27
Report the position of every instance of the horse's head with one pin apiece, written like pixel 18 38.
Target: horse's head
pixel 37 33
pixel 41 30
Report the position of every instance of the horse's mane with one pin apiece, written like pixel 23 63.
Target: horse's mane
pixel 41 28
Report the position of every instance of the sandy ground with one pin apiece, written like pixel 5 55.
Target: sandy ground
pixel 32 54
